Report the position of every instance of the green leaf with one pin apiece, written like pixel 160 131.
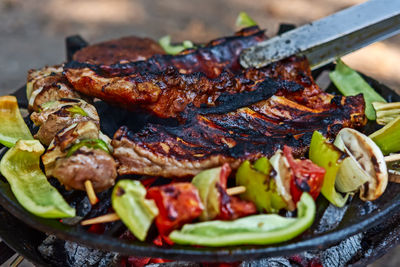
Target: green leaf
pixel 350 83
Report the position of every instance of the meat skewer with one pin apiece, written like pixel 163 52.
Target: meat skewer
pixel 78 154
pixel 62 114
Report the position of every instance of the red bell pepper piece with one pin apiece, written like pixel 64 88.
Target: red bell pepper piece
pixel 178 203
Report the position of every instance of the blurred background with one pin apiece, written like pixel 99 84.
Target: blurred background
pixel 32 32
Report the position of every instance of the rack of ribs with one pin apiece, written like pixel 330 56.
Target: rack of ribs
pixel 211 138
pixel 166 94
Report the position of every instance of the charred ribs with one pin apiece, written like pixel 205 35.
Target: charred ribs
pixel 241 127
pixel 228 114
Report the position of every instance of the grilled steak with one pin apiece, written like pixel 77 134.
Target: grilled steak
pixel 124 49
pixel 166 94
pixel 210 59
pixel 211 139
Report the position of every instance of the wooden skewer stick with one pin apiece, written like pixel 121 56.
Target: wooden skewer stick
pixel 17 261
pixel 393 157
pixel 112 217
pixel 90 192
pixel 236 190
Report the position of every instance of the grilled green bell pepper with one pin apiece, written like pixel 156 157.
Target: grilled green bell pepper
pixel 327 156
pixel 350 83
pixel 257 229
pixel 89 143
pixel 77 110
pixel 20 166
pixel 206 182
pixel 244 20
pixel 260 187
pixel 12 125
pixel 388 137
pixel 165 43
pixel 136 212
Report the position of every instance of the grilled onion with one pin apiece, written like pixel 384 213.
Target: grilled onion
pixel 364 169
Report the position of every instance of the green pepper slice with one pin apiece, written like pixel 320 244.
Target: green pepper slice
pixel 388 137
pixel 257 229
pixel 327 156
pixel 12 125
pixel 77 110
pixel 89 143
pixel 244 20
pixel 350 83
pixel 136 212
pixel 260 187
pixel 165 43
pixel 206 182
pixel 20 166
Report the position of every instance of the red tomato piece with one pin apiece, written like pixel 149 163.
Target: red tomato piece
pixel 307 177
pixel 232 207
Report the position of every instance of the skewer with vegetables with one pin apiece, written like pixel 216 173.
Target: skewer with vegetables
pixel 78 154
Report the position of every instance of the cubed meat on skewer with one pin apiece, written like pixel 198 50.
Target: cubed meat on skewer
pixel 57 115
pixel 78 154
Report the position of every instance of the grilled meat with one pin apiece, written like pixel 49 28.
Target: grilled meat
pixel 124 49
pixel 46 85
pixel 86 164
pixel 55 116
pixel 211 139
pixel 73 158
pixel 210 59
pixel 167 94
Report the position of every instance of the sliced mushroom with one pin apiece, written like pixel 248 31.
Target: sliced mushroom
pixel 283 175
pixel 365 168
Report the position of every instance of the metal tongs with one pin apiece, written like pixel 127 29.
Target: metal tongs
pixel 328 38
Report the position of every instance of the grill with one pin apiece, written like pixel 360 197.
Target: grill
pixel 359 249
pixel 356 234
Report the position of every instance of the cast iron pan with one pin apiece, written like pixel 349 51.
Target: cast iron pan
pixel 330 226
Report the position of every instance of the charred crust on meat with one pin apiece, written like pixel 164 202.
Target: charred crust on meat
pixel 210 59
